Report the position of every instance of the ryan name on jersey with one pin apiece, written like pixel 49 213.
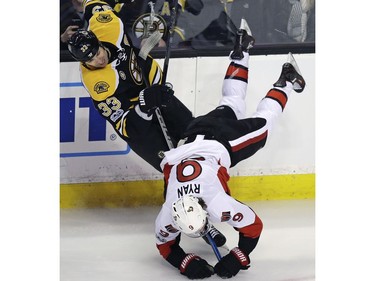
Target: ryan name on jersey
pixel 188 189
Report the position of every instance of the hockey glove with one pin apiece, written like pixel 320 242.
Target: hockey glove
pixel 194 267
pixel 194 6
pixel 154 96
pixel 232 263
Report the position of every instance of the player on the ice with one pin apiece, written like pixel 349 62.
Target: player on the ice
pixel 196 172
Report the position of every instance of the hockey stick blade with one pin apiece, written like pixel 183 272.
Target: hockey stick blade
pixel 149 44
pixel 245 26
pixel 293 62
pixel 225 247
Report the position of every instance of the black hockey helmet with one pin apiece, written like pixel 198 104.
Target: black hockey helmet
pixel 83 45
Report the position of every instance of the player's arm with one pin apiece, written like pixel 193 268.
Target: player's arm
pixel 192 6
pixel 171 250
pixel 136 120
pixel 189 264
pixel 129 118
pixel 249 236
pixel 238 257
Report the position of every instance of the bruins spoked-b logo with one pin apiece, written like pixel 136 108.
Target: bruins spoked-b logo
pixel 103 18
pixel 101 87
pixel 135 70
pixel 147 24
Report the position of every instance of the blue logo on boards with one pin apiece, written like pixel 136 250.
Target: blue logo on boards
pixel 70 119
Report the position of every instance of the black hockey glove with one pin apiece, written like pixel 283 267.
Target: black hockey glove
pixel 154 96
pixel 232 263
pixel 194 267
pixel 194 6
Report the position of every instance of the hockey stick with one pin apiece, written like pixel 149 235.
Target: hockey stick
pixel 172 24
pixel 165 71
pixel 164 128
pixel 144 54
pixel 213 246
pixel 149 44
pixel 169 38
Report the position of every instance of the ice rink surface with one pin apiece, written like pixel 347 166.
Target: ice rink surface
pixel 119 244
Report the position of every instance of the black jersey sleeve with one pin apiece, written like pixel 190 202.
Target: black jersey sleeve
pixel 172 252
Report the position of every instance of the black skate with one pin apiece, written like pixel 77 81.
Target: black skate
pixel 244 41
pixel 217 236
pixel 290 72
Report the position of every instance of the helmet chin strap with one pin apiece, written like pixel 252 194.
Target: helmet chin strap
pixel 107 50
pixel 206 228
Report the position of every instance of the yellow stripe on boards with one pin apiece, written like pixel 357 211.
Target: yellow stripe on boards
pixel 276 187
pixel 111 194
pixel 150 193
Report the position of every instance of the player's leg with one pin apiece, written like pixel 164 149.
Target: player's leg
pixel 276 99
pixel 250 134
pixel 177 117
pixel 232 104
pixel 236 78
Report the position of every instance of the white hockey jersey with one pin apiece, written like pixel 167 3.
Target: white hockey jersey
pixel 200 169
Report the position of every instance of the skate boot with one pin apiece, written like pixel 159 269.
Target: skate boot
pixel 216 235
pixel 290 72
pixel 244 41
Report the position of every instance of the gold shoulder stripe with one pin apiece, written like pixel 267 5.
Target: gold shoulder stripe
pixel 155 74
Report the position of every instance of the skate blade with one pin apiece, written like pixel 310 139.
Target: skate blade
pixel 293 62
pixel 245 26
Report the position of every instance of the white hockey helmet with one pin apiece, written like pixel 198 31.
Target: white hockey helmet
pixel 189 216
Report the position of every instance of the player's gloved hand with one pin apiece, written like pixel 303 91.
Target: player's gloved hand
pixel 154 96
pixel 232 263
pixel 194 6
pixel 194 267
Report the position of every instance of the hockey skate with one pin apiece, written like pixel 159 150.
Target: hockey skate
pixel 244 41
pixel 290 72
pixel 216 235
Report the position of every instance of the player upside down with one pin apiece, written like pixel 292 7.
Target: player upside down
pixel 213 143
